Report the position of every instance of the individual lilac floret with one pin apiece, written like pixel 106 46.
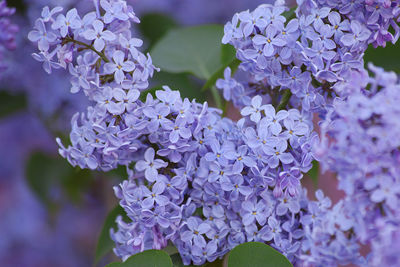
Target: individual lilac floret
pixel 119 66
pixel 254 211
pixel 255 110
pixel 195 231
pixel 276 150
pixel 41 36
pixel 150 165
pixel 114 10
pixel 64 23
pixel 269 41
pixel 358 34
pixel 226 84
pixel 154 196
pixel 99 35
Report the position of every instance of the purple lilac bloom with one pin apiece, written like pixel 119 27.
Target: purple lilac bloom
pixel 365 160
pixel 240 176
pixel 319 43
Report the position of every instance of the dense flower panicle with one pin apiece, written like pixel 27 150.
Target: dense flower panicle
pixel 207 183
pixel 318 57
pixel 380 17
pixel 360 141
pixel 309 54
pixel 7 31
pixel 214 166
pixel 193 169
pixel 91 73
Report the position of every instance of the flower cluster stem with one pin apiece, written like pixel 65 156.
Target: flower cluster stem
pixel 68 40
pixel 285 100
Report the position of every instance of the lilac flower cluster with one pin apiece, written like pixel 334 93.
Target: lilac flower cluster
pixel 214 183
pixel 380 17
pixel 7 31
pixel 318 57
pixel 360 141
pixel 205 183
pixel 118 66
pixel 308 54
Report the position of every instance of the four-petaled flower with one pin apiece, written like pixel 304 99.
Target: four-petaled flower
pixel 359 34
pixel 154 196
pixel 64 23
pixel 254 211
pixel 119 67
pixel 270 41
pixel 276 149
pixel 150 165
pixel 125 101
pixel 254 110
pixel 99 35
pixel 195 232
pixel 40 35
pixel 114 10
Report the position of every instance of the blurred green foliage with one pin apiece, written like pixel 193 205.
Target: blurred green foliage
pixel 45 174
pixel 196 50
pixel 18 4
pixel 386 57
pixel 11 103
pixel 154 26
pixel 313 173
pixel 105 244
pixel 148 258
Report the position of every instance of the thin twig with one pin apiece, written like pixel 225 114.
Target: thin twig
pixel 102 55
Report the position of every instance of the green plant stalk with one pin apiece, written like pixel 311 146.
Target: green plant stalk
pixel 285 100
pixel 102 55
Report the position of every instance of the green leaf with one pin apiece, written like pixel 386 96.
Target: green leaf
pixel 20 5
pixel 43 172
pixel 384 57
pixel 228 53
pixel 216 263
pixel 177 262
pixel 234 64
pixel 148 258
pixel 170 249
pixel 153 26
pixel 119 172
pixel 105 244
pixel 11 103
pixel 290 14
pixel 196 50
pixel 256 254
pixel 314 172
pixel 179 81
